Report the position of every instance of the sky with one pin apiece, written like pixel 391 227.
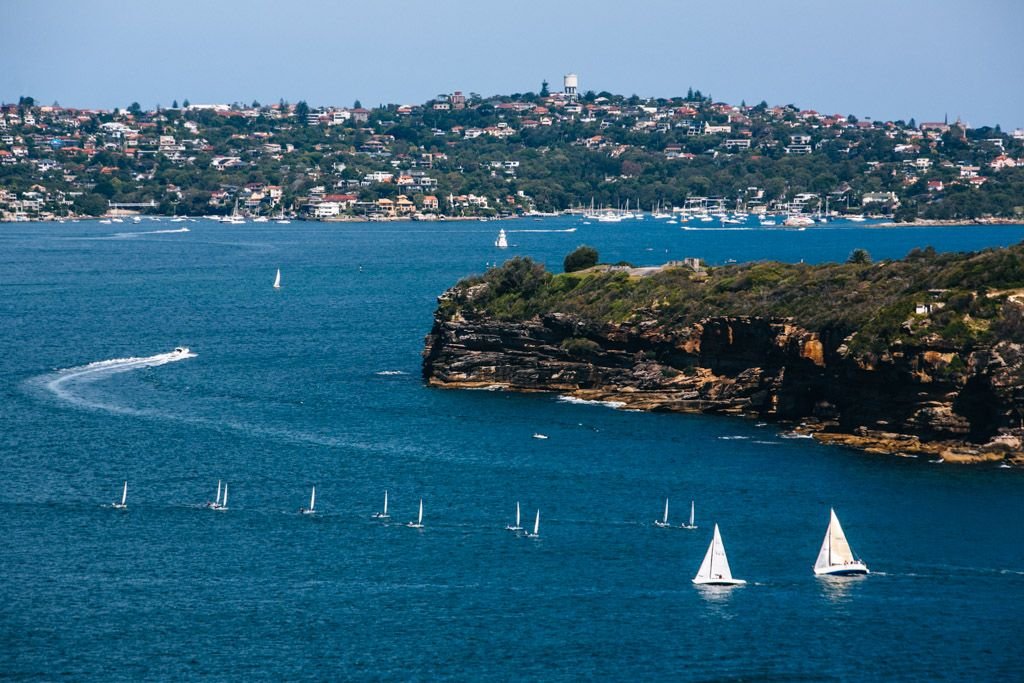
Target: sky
pixel 884 59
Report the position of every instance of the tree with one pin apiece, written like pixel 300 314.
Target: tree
pixel 134 109
pixel 357 105
pixel 174 104
pixel 544 92
pixel 185 104
pixel 302 112
pixel 580 258
pixel 91 204
pixel 860 257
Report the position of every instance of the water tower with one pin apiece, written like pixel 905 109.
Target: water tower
pixel 570 82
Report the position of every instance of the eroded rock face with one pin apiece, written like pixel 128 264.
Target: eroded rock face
pixel 918 400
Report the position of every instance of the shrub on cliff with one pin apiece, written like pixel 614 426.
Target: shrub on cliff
pixel 580 258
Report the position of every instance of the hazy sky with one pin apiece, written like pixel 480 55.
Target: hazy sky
pixel 880 58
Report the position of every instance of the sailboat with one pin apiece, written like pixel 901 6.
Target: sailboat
pixel 714 570
pixel 384 514
pixel 221 502
pixel 517 527
pixel 224 501
pixel 536 527
pixel 277 279
pixel 502 241
pixel 689 525
pixel 663 522
pixel 311 510
pixel 418 524
pixel 123 505
pixel 836 557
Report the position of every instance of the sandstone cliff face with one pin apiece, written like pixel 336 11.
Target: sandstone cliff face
pixel 963 406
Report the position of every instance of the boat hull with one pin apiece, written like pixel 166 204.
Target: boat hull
pixel 719 582
pixel 852 569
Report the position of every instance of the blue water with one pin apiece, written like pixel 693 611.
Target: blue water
pixel 285 392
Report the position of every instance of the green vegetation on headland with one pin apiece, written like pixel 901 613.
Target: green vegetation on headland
pixel 473 156
pixel 927 298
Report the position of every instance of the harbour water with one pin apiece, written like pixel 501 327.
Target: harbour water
pixel 318 384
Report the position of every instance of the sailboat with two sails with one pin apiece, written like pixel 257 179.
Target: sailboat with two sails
pixel 715 570
pixel 836 557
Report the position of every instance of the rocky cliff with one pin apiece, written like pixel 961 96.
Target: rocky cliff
pixel 931 399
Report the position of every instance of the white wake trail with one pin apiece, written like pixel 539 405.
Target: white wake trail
pixel 169 231
pixel 61 383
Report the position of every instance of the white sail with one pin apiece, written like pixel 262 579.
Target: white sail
pixel 224 504
pixel 277 280
pixel 312 500
pixel 835 549
pixel 419 520
pixel 517 514
pixel 124 493
pixel 217 501
pixel 664 519
pixel 385 502
pixel 715 567
pixel 536 524
pixel 691 514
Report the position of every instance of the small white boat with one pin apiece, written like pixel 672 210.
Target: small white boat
pixel 690 524
pixel 418 524
pixel 261 219
pixel 311 510
pixel 181 350
pixel 663 522
pixel 836 557
pixel 502 241
pixel 384 514
pixel 123 505
pixel 517 526
pixel 221 501
pixel 714 570
pixel 105 221
pixel 539 436
pixel 536 527
pixel 284 221
pixel 277 279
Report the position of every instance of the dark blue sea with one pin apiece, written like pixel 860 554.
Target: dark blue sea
pixel 319 384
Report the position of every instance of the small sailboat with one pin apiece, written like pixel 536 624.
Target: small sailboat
pixel 836 557
pixel 502 241
pixel 538 435
pixel 224 501
pixel 714 570
pixel 311 510
pixel 536 527
pixel 689 525
pixel 384 514
pixel 221 502
pixel 663 522
pixel 418 524
pixel 516 527
pixel 277 279
pixel 123 505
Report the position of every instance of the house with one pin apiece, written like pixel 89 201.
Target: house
pixel 935 186
pixel 1002 161
pixel 430 203
pixel 879 198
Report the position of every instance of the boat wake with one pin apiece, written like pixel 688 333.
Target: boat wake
pixel 129 235
pixel 734 438
pixel 63 383
pixel 585 402
pixel 391 373
pixel 566 230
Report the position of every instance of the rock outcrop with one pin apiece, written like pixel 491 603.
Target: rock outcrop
pixel 961 405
